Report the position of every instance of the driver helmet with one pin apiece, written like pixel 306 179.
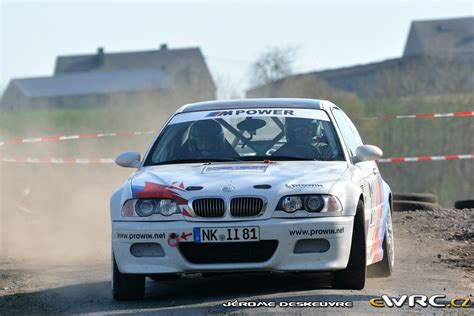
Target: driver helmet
pixel 299 130
pixel 206 138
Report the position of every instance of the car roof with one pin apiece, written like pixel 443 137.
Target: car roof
pixel 252 103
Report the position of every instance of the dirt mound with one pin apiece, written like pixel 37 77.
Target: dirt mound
pixel 444 226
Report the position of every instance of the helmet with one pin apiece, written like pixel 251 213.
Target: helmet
pixel 206 138
pixel 299 130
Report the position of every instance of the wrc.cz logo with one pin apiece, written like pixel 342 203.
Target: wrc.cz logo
pixel 420 300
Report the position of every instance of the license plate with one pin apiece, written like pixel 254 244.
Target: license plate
pixel 224 234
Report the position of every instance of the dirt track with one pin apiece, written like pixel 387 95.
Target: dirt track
pixel 433 256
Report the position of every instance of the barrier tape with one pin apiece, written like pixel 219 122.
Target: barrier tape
pixel 92 161
pixel 426 158
pixel 57 138
pixel 426 115
pixel 95 161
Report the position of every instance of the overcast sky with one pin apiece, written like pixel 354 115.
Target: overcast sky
pixel 231 35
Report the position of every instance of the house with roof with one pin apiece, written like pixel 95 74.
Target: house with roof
pixel 163 78
pixel 441 38
pixel 435 50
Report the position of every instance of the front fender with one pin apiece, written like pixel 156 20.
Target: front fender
pixel 118 198
pixel 348 194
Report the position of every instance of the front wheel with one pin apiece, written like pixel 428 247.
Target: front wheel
pixel 353 276
pixel 126 286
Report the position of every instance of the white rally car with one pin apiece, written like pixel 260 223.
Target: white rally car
pixel 252 185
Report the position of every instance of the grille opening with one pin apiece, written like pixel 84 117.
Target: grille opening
pixel 228 252
pixel 246 206
pixel 209 207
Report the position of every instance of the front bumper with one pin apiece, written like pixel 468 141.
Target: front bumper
pixel 336 230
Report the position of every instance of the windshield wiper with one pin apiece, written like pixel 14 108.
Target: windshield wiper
pixel 178 161
pixel 274 158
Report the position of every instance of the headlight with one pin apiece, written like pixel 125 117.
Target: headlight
pixel 145 208
pixel 168 207
pixel 314 203
pixel 148 207
pixel 291 204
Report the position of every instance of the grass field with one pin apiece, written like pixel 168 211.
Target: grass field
pixel 450 180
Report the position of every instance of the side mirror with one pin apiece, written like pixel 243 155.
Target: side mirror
pixel 128 159
pixel 368 153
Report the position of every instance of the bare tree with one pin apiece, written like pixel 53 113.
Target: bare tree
pixel 274 63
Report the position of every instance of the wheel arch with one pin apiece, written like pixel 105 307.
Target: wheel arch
pixel 360 211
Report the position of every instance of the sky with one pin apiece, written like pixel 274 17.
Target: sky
pixel 231 35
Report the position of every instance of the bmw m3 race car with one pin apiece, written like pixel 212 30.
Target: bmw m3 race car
pixel 252 185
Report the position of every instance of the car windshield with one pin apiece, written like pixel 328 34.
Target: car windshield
pixel 246 135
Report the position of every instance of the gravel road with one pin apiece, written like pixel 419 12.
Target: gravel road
pixel 434 255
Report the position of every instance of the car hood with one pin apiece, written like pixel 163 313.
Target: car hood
pixel 232 179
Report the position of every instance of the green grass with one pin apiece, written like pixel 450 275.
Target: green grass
pixel 450 180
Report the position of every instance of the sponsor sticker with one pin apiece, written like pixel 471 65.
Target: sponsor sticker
pixel 250 112
pixel 303 185
pixel 139 236
pixel 315 232
pixel 243 113
pixel 243 168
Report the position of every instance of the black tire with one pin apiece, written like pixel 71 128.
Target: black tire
pixel 353 276
pixel 127 286
pixel 418 197
pixel 464 204
pixel 401 206
pixel 384 268
pixel 165 277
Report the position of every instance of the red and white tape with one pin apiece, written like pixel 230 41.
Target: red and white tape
pixel 95 161
pixel 92 161
pixel 426 158
pixel 57 138
pixel 426 115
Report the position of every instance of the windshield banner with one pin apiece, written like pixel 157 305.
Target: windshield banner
pixel 243 113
